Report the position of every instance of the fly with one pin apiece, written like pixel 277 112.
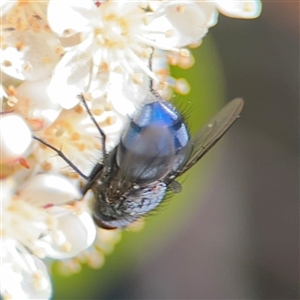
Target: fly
pixel 153 151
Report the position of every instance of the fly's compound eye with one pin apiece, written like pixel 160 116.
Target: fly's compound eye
pixel 102 224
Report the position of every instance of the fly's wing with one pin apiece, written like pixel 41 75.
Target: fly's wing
pixel 148 157
pixel 208 136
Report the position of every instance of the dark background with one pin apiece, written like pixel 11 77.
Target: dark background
pixel 242 242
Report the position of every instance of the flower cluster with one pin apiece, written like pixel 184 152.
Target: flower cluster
pixel 52 51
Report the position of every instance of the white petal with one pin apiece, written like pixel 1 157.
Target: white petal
pixel 70 78
pixel 7 187
pixel 74 233
pixel 214 19
pixel 247 9
pixel 46 189
pixel 186 23
pixel 89 224
pixel 69 17
pixel 19 283
pixel 12 62
pixel 36 104
pixel 15 137
pixel 36 58
pixel 3 93
pixel 115 95
pixel 37 285
pixel 192 22
pixel 6 6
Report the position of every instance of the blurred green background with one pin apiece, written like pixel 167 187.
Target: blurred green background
pixel 233 232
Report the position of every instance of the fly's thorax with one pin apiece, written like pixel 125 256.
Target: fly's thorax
pixel 155 143
pixel 117 208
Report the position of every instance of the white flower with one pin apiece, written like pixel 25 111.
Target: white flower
pixel 32 99
pixel 29 50
pixel 34 225
pixel 117 41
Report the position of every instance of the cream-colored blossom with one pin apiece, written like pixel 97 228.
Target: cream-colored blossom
pixel 33 101
pixel 29 50
pixel 35 225
pixel 117 41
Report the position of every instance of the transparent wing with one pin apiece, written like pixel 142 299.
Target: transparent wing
pixel 208 136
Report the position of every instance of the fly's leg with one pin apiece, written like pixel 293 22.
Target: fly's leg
pixel 102 134
pixel 61 155
pixel 98 167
